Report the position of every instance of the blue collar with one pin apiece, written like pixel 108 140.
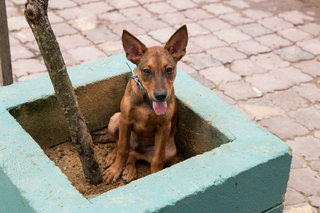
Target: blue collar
pixel 135 77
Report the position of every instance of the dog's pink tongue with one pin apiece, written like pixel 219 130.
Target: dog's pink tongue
pixel 159 108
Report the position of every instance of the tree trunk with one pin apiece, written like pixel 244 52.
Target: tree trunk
pixel 36 15
pixel 5 59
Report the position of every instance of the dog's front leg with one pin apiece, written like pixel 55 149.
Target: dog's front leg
pixel 161 137
pixel 113 173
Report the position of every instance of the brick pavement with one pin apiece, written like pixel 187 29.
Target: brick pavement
pixel 261 56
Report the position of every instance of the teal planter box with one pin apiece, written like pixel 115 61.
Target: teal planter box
pixel 234 165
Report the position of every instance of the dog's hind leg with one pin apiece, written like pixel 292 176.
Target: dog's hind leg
pixel 113 129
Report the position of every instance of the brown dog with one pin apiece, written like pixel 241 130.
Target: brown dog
pixel 146 125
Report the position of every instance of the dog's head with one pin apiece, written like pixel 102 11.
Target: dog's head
pixel 156 66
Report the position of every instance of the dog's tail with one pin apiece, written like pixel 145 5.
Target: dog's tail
pixel 103 137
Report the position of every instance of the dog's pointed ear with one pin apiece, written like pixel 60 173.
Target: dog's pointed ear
pixel 133 47
pixel 177 43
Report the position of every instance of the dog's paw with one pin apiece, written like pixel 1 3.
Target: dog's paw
pixel 111 158
pixel 112 174
pixel 129 173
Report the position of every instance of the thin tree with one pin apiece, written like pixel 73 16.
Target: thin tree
pixel 37 17
pixel 5 58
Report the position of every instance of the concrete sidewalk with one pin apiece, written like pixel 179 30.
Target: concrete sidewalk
pixel 260 56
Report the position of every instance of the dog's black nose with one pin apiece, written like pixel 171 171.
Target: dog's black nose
pixel 160 96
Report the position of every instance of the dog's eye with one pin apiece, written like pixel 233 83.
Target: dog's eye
pixel 169 70
pixel 146 71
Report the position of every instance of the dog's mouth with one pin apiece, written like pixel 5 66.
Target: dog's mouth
pixel 160 108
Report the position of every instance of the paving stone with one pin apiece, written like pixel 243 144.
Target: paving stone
pixel 238 90
pixel 196 14
pixel 269 61
pixel 284 127
pixel 72 13
pixel 291 74
pixel 123 4
pixel 295 17
pixel 182 4
pixel 226 54
pixel 160 8
pixel 244 112
pixel 20 52
pixel 312 28
pixel 231 35
pixel 317 134
pixel 24 35
pixel 293 197
pixel 175 18
pixel 250 47
pixel 304 180
pixel 12 11
pixel 273 41
pixel 219 75
pixel 86 23
pixel 300 208
pixel 13 41
pixel 62 29
pixel 187 68
pixel 294 34
pixel 266 82
pixel 238 3
pixel 236 18
pixel 194 48
pixel 309 117
pixel 287 100
pixel 162 34
pixel 214 24
pixel 207 41
pixel 112 17
pixel 254 29
pixel 134 13
pixel 227 99
pixel 72 41
pixel 297 162
pixel 17 23
pixel 97 8
pixel 309 67
pixel 201 79
pixel 195 29
pixel 151 23
pixel 218 9
pixel 256 14
pixel 147 40
pixel 112 47
pixel 118 27
pixel 26 66
pixel 89 53
pixel 315 201
pixel 61 4
pixel 200 61
pixel 261 108
pixel 31 76
pixel 54 18
pixel 99 35
pixel 246 67
pixel 315 165
pixel 275 23
pixel 312 45
pixel 309 91
pixel 294 54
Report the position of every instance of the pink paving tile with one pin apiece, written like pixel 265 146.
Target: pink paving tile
pixel 88 53
pixel 26 66
pixel 196 14
pixel 61 4
pixel 250 47
pixel 238 3
pixel 182 4
pixel 309 91
pixel 219 75
pixel 236 18
pixel 195 29
pixel 226 54
pixel 238 90
pixel 218 9
pixel 246 67
pixel 312 28
pixel 123 4
pixel 309 67
pixel 150 23
pixel 256 14
pixel 232 35
pixel 207 41
pixel 214 24
pixel 288 99
pixel 63 29
pixel 96 8
pixel 312 45
pixel 134 13
pixel 295 17
pixel 294 34
pixel 160 8
pixel 175 18
pixel 118 27
pixel 20 52
pixel 72 41
pixel 275 23
pixel 112 17
pixel 254 29
pixel 273 41
pixel 162 34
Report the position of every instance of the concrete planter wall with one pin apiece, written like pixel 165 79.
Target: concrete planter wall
pixel 235 166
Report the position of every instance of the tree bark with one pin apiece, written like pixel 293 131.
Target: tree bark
pixel 5 58
pixel 36 15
